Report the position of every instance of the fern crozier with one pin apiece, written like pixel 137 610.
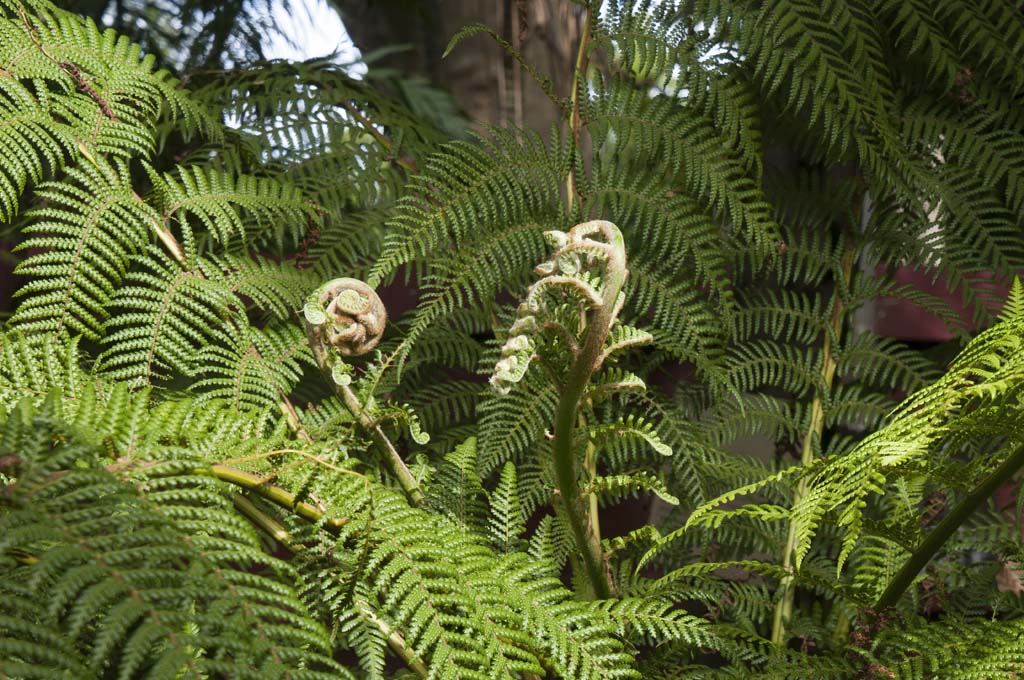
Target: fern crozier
pixel 348 314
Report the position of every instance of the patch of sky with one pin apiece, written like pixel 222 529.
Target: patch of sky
pixel 311 29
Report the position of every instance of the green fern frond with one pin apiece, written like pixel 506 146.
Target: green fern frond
pixel 472 277
pixel 442 405
pixel 918 29
pixel 657 219
pixel 518 174
pixel 272 287
pixel 512 424
pixel 229 205
pixel 784 314
pixel 507 523
pixel 873 360
pixel 250 368
pixel 627 440
pixel 987 369
pixel 91 228
pixel 1014 307
pixel 109 98
pixel 170 313
pixel 431 577
pixel 766 362
pixel 654 43
pixel 681 321
pixel 692 148
pixel 32 368
pixel 971 649
pixel 611 489
pixel 456 490
pixel 102 561
pixel 30 142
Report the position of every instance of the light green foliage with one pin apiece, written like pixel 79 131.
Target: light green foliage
pixel 89 230
pixel 975 403
pixel 184 496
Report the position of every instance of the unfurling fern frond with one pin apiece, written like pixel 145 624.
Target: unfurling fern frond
pixel 751 183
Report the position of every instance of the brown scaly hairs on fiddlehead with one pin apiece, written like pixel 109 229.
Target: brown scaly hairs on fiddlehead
pixel 355 314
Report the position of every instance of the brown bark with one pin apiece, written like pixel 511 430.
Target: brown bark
pixel 486 83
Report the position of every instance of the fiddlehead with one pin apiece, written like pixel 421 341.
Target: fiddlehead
pixel 580 288
pixel 344 318
pixel 354 316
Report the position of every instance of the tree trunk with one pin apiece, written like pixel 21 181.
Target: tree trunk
pixel 487 83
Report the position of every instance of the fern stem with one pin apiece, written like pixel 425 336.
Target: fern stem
pixel 276 530
pixel 590 465
pixel 167 238
pixel 274 494
pixel 587 362
pixel 270 526
pixel 784 608
pixel 406 164
pixel 387 448
pixel 919 559
pixel 163 233
pixel 575 121
pixel 293 418
pixel 380 439
pixel 395 639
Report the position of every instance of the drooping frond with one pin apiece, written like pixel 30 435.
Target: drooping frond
pixel 100 94
pixel 170 313
pixel 155 579
pixel 230 206
pixel 89 231
pixel 690 149
pixel 470 191
pixel 252 368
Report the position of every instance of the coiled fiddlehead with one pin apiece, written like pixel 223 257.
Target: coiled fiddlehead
pixel 346 318
pixel 353 316
pixel 588 267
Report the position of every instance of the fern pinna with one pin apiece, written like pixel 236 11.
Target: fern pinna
pixel 222 458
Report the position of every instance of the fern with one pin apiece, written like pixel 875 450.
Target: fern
pixel 88 245
pixel 98 553
pixel 677 448
pixel 170 313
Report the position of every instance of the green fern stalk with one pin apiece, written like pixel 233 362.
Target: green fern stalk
pixel 575 121
pixel 274 529
pixel 274 494
pixel 784 608
pixel 384 445
pixel 329 324
pixel 163 233
pixel 950 523
pixel 576 128
pixel 587 361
